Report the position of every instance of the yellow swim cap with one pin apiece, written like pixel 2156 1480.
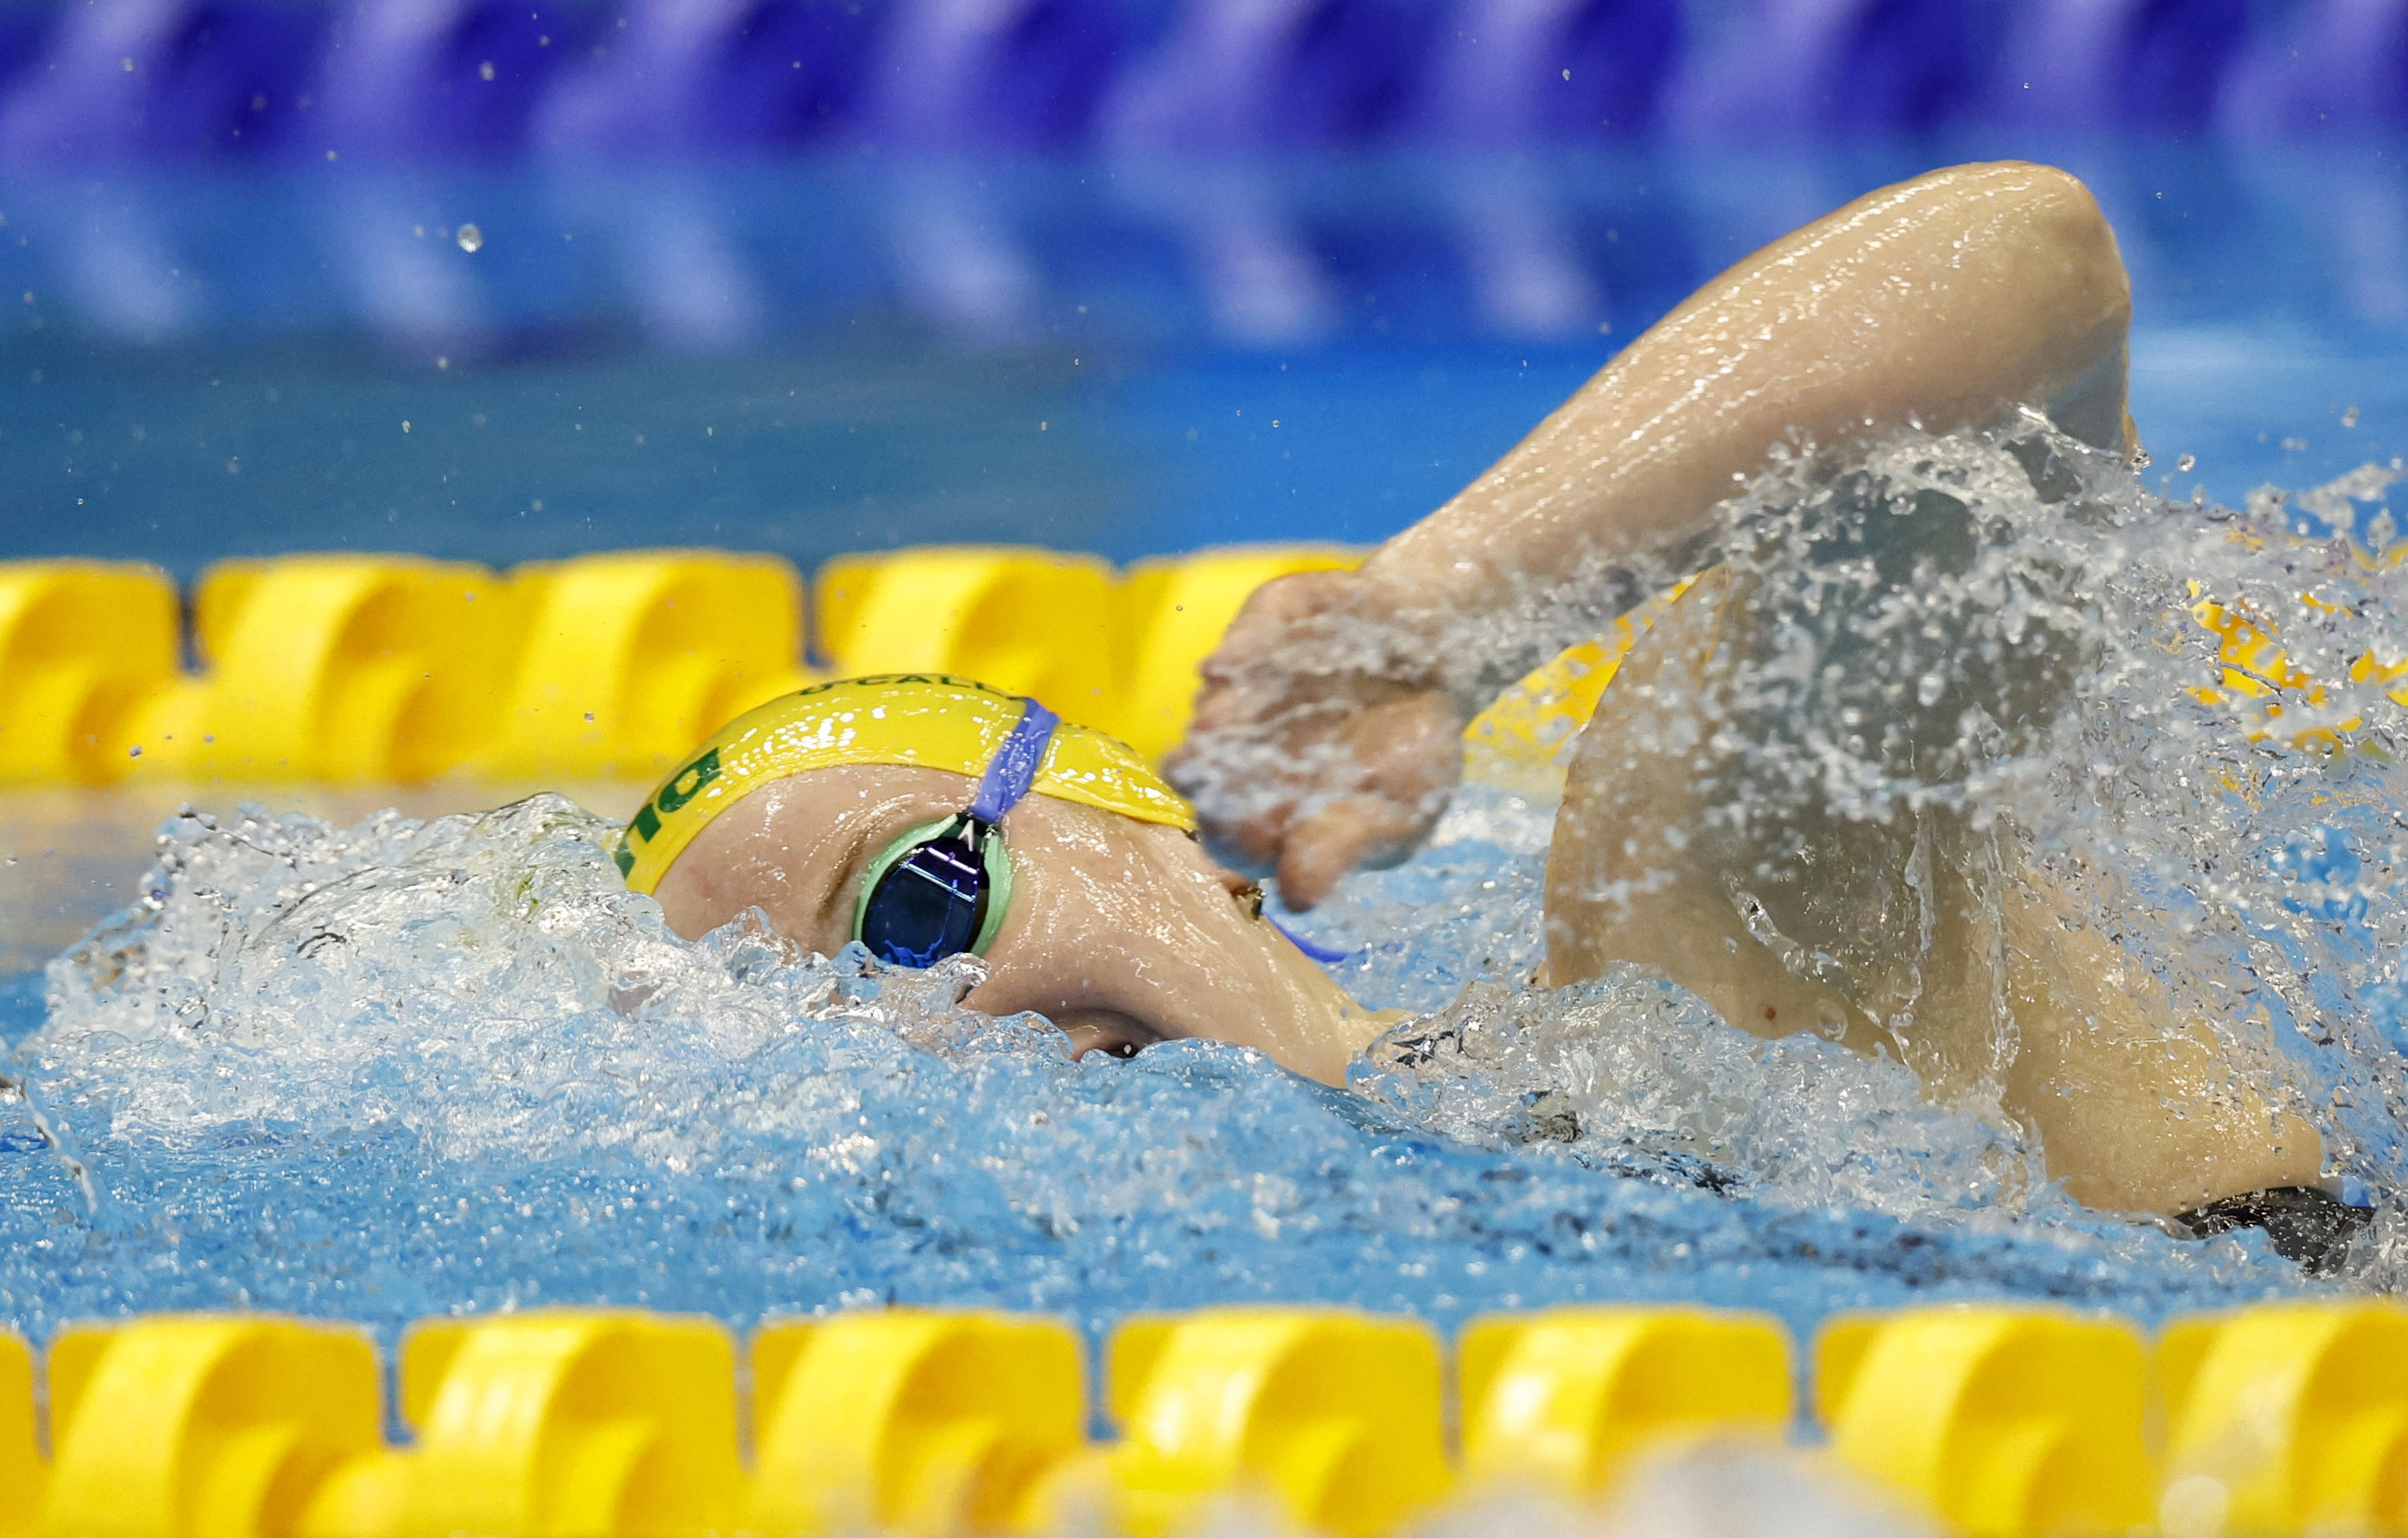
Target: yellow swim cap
pixel 931 720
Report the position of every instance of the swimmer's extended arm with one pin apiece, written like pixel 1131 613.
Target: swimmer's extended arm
pixel 1942 301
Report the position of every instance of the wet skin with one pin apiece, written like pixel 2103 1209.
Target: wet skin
pixel 2011 996
pixel 1944 302
pixel 1121 932
pixel 1948 301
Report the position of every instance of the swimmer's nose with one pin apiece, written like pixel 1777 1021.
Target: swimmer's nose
pixel 1246 891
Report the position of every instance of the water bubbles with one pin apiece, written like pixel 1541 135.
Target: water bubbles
pixel 2349 416
pixel 2185 463
pixel 489 1065
pixel 1976 637
pixel 1634 1072
pixel 471 238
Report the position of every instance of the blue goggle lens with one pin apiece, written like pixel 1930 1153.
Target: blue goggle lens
pixel 929 904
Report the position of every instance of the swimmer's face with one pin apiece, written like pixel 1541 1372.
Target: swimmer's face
pixel 1119 932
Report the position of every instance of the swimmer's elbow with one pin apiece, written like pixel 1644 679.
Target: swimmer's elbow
pixel 2070 287
pixel 2046 224
pixel 2070 234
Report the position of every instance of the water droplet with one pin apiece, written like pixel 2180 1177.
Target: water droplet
pixel 485 70
pixel 588 715
pixel 133 752
pixel 471 238
pixel 2349 417
pixel 2186 463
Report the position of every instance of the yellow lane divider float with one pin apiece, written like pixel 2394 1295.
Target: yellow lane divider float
pixel 81 643
pixel 385 669
pixel 626 659
pixel 910 1421
pixel 1332 1417
pixel 1998 1421
pixel 329 668
pixel 2290 1418
pixel 388 668
pixel 1567 1397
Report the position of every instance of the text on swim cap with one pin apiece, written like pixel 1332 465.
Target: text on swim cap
pixel 671 797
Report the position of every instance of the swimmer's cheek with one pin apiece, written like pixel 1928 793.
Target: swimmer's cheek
pixel 689 904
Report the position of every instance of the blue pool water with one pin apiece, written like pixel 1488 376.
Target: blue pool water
pixel 400 1069
pixel 478 1074
pixel 411 1066
pixel 858 352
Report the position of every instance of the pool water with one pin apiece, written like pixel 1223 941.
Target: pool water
pixel 470 1072
pixel 1125 356
pixel 381 1067
pixel 407 1067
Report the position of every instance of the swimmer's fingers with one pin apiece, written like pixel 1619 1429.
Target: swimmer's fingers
pixel 1300 720
pixel 1254 731
pixel 1324 847
pixel 1408 754
pixel 1258 670
pixel 1366 779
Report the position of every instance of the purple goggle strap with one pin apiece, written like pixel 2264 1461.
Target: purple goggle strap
pixel 1013 768
pixel 1321 954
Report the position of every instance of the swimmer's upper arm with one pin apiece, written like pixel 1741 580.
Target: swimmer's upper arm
pixel 1939 302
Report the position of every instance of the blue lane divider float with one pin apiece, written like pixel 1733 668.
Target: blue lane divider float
pixel 665 76
pixel 403 78
pixel 1259 252
pixel 449 77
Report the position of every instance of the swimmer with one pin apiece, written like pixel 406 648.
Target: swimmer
pixel 925 816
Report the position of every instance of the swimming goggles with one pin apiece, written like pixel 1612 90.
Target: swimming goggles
pixel 944 887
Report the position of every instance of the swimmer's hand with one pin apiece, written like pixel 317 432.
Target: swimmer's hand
pixel 1322 738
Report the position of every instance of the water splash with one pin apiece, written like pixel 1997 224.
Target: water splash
pixel 408 1068
pixel 2179 724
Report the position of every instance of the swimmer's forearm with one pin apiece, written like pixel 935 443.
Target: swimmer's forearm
pixel 1942 301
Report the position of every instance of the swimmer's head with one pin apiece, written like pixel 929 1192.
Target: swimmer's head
pixel 929 720
pixel 925 815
